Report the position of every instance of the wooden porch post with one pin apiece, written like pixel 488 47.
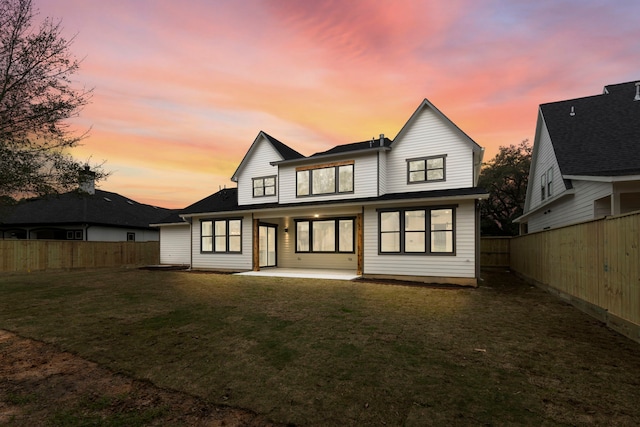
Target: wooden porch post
pixel 256 245
pixel 359 244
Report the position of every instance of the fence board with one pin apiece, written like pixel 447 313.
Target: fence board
pixel 596 261
pixel 494 251
pixel 37 255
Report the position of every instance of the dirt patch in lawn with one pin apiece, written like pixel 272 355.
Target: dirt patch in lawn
pixel 40 385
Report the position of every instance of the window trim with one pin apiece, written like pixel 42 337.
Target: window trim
pixel 275 186
pixel 131 236
pixel 543 186
pixel 336 166
pixel 336 225
pixel 550 182
pixel 428 231
pixel 75 235
pixel 426 170
pixel 213 235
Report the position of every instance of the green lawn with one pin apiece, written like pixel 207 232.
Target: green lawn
pixel 319 352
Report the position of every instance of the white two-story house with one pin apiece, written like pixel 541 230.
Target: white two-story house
pixel 586 159
pixel 403 209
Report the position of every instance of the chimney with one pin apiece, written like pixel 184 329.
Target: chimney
pixel 382 140
pixel 637 98
pixel 371 143
pixel 87 180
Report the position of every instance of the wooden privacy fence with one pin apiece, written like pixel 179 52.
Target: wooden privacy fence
pixel 34 255
pixel 595 265
pixel 495 252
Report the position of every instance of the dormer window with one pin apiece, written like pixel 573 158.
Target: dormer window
pixel 426 169
pixel 325 179
pixel 264 186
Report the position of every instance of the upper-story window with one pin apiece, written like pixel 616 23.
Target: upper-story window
pixel 543 186
pixel 325 179
pixel 550 182
pixel 426 169
pixel 264 186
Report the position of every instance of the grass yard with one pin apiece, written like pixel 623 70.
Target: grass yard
pixel 317 352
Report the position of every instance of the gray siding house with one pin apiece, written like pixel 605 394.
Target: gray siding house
pixel 586 159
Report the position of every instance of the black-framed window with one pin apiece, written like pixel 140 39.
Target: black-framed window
pixel 543 186
pixel 550 182
pixel 264 186
pixel 221 235
pixel 426 169
pixel 417 231
pixel 131 237
pixel 75 235
pixel 325 180
pixel 334 235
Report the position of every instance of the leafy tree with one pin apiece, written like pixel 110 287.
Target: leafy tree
pixel 36 99
pixel 505 178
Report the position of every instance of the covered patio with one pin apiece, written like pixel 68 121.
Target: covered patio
pixel 304 273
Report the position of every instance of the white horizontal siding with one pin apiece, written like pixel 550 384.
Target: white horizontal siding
pixel 545 160
pixel 574 208
pixel 175 244
pixel 382 173
pixel 462 264
pixel 214 261
pixel 257 165
pixel 365 180
pixel 427 136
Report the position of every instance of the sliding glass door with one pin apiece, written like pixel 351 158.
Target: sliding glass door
pixel 267 249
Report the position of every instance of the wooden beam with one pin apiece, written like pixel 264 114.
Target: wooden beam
pixel 359 245
pixel 325 165
pixel 256 245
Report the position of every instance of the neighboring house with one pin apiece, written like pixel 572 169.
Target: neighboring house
pixel 586 159
pixel 85 214
pixel 403 209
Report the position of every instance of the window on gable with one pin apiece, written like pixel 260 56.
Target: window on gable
pixel 264 186
pixel 221 236
pixel 325 236
pixel 550 182
pixel 325 179
pixel 543 186
pixel 417 231
pixel 426 169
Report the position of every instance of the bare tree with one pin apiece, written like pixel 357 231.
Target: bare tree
pixel 36 99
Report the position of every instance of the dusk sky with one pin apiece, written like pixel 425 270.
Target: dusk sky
pixel 182 88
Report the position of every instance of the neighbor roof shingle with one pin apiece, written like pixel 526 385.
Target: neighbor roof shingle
pixel 103 208
pixel 602 137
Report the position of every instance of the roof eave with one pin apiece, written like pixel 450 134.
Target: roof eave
pixel 546 204
pixel 607 178
pixel 311 159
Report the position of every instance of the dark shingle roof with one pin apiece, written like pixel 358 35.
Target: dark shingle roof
pixel 227 200
pixel 223 200
pixel 173 218
pixel 602 138
pixel 285 151
pixel 354 146
pixel 102 208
